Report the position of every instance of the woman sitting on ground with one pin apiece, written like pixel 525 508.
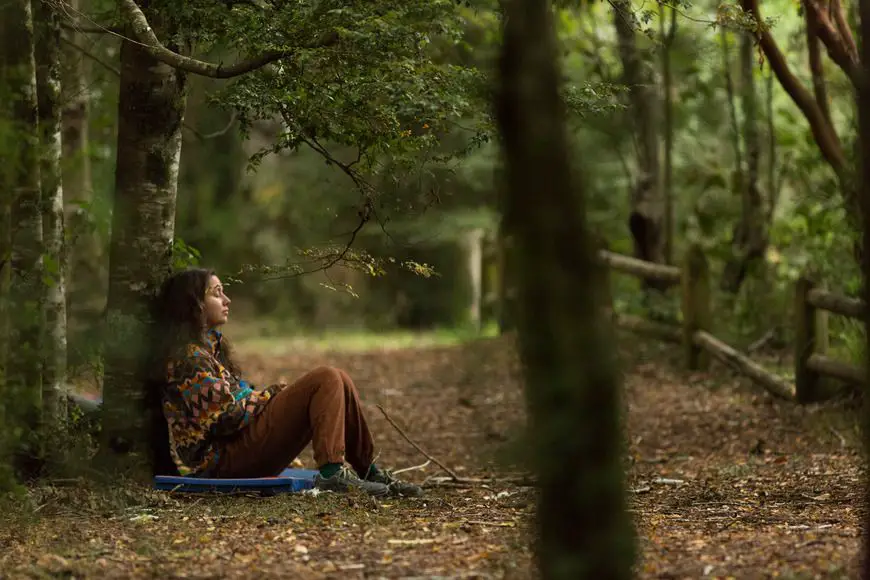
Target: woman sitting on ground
pixel 220 426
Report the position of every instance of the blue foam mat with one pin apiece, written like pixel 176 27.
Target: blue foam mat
pixel 289 481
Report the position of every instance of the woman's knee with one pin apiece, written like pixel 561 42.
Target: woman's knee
pixel 345 378
pixel 327 375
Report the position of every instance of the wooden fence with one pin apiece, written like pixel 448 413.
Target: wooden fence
pixel 810 325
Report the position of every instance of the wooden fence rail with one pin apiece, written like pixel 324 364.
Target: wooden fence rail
pixel 811 340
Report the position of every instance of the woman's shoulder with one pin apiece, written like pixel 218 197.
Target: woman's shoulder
pixel 191 358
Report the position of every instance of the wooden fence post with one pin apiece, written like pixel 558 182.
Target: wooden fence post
pixel 696 305
pixel 810 337
pixel 602 270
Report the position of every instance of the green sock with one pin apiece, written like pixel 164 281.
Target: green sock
pixel 327 470
pixel 372 470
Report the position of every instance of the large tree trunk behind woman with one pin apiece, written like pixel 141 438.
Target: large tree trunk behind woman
pixel 150 113
pixel 572 385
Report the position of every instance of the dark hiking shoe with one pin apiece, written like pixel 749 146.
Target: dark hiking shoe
pixel 345 480
pixel 396 486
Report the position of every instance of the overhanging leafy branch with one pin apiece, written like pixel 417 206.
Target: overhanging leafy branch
pixel 146 38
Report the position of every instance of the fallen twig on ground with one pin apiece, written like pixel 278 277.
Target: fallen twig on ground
pixel 417 447
pixel 454 478
pixel 522 481
pixel 412 468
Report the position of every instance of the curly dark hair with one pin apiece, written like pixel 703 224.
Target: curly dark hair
pixel 178 320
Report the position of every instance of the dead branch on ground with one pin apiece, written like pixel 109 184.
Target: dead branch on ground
pixel 454 478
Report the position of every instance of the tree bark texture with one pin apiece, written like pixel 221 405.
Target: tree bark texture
pixel 150 112
pixel 648 206
pixel 48 81
pixel 567 349
pixel 23 369
pixel 815 112
pixel 864 197
pixel 668 128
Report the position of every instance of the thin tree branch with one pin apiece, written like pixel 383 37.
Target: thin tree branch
pixel 217 133
pixel 816 69
pixel 833 41
pixel 449 471
pixel 365 213
pixel 90 29
pixel 365 216
pixel 836 10
pixel 145 36
pixel 91 56
pixel 73 21
pixel 312 143
pixel 823 133
pixel 116 72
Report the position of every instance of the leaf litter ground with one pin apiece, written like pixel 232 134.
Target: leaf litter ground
pixel 723 482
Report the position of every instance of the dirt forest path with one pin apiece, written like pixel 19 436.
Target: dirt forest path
pixel 724 482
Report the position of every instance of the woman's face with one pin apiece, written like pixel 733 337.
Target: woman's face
pixel 216 304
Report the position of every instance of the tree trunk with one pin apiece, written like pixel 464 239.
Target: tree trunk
pixel 23 370
pixel 48 93
pixel 864 198
pixel 648 206
pixel 668 129
pixel 150 112
pixel 473 251
pixel 6 186
pixel 749 241
pixel 506 264
pixel 507 282
pixel 773 184
pixel 567 349
pixel 736 183
pixel 824 133
pixel 85 257
pixel 489 283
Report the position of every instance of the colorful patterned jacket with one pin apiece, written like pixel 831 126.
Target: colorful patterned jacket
pixel 203 404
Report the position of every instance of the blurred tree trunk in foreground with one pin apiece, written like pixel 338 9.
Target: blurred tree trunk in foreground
pixel 566 346
pixel 864 199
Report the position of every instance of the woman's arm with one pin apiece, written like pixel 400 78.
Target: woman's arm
pixel 216 404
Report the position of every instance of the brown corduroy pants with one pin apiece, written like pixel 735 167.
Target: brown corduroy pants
pixel 322 408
